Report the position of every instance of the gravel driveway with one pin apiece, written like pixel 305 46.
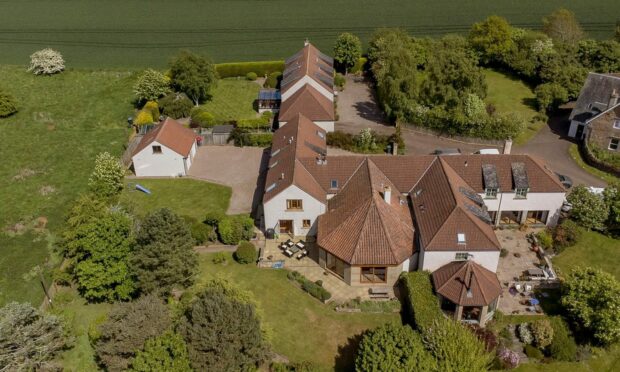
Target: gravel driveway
pixel 237 167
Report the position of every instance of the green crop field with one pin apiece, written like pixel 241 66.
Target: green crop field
pixel 135 33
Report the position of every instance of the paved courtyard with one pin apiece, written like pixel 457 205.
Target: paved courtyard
pixel 237 167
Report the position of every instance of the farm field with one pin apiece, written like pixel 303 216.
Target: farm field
pixel 133 33
pixel 48 150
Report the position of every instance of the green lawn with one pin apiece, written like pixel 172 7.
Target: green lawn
pixel 600 361
pixel 509 94
pixel 302 328
pixel 187 197
pixel 233 99
pixel 95 34
pixel 594 249
pixel 63 123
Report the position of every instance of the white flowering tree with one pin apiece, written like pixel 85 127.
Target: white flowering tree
pixel 151 85
pixel 107 178
pixel 46 62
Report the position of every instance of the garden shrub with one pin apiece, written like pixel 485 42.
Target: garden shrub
pixel 46 62
pixel 367 142
pixel 251 76
pixel 542 332
pixel 359 66
pixel 525 334
pixel 233 229
pixel 503 252
pixel 545 239
pixel 339 80
pixel 202 118
pixel 273 80
pixel 533 352
pixel 153 108
pixel 565 235
pixel 262 68
pixel 420 300
pixel 262 122
pixel 151 85
pixel 563 346
pixel 144 117
pixel 241 137
pixel 508 358
pixel 246 253
pixel 8 105
pixel 314 289
pixel 219 258
pixel 213 218
pixel 176 105
pixel 203 233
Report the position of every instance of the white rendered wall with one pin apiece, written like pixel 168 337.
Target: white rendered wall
pixel 434 260
pixel 275 210
pixel 327 126
pixel 167 164
pixel 551 202
pixel 300 84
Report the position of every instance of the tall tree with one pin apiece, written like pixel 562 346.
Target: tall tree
pixel 107 177
pixel 29 339
pixel 492 38
pixel 562 26
pixel 592 299
pixel 347 50
pixel 393 347
pixel 589 210
pixel 151 85
pixel 163 256
pixel 223 331
pixel 102 249
pixel 193 75
pixel 126 330
pixel 167 352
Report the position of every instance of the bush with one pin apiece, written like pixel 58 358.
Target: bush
pixel 213 218
pixel 545 239
pixel 421 302
pixel 251 76
pixel 503 252
pixel 525 334
pixel 235 69
pixel 153 108
pixel 233 229
pixel 151 85
pixel 367 142
pixel 550 96
pixel 246 253
pixel 202 117
pixel 339 80
pixel 542 332
pixel 144 117
pixel 46 62
pixel 203 233
pixel 176 105
pixel 273 80
pixel 565 235
pixel 262 122
pixel 8 105
pixel 533 352
pixel 314 289
pixel 508 358
pixel 563 346
pixel 219 258
pixel 359 66
pixel 241 137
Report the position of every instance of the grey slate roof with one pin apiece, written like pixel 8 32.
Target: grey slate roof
pixel 594 96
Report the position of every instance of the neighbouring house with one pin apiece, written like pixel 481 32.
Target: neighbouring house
pixel 376 216
pixel 311 104
pixel 165 151
pixel 596 116
pixel 269 100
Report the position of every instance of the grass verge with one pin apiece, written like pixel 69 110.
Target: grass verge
pixel 573 150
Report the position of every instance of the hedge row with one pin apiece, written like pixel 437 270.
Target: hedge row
pixel 263 122
pixel 241 137
pixel 314 289
pixel 243 68
pixel 421 302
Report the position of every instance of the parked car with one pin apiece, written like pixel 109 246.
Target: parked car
pixel 487 152
pixel 565 180
pixel 447 151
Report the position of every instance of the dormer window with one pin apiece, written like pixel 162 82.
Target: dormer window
pixel 320 134
pixel 333 184
pixel 521 193
pixel 490 193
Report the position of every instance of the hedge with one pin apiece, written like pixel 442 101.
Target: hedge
pixel 272 80
pixel 314 289
pixel 359 66
pixel 421 302
pixel 243 68
pixel 241 137
pixel 233 229
pixel 262 122
pixel 563 346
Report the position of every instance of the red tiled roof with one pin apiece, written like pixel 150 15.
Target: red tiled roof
pixel 361 228
pixel 308 102
pixel 170 134
pixel 466 283
pixel 308 62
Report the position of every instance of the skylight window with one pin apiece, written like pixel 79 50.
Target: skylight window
pixel 275 152
pixel 274 164
pixel 334 184
pixel 320 134
pixel 460 238
pixel 271 187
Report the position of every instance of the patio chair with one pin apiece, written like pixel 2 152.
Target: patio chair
pixel 302 254
pixel 528 288
pixel 518 287
pixel 301 244
pixel 288 252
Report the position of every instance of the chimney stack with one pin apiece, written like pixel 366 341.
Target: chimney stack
pixel 387 194
pixel 613 99
pixel 306 42
pixel 394 148
pixel 507 146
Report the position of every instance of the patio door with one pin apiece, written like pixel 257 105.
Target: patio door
pixel 286 226
pixel 335 265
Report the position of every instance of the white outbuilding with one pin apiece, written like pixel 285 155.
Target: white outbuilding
pixel 165 151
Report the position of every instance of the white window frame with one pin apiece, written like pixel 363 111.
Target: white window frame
pixel 617 144
pixel 332 183
pixel 491 193
pixel 617 123
pixel 521 193
pixel 461 256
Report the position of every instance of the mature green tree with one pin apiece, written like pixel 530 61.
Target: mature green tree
pixel 347 50
pixel 563 68
pixel 86 209
pixel 456 348
pixel 611 196
pixel 151 85
pixel 530 49
pixel 107 177
pixel 589 210
pixel 128 327
pixel 176 105
pixel 193 75
pixel 542 332
pixel 591 298
pixel 562 26
pixel 8 105
pixel 563 346
pixel 550 96
pixel 167 352
pixel 492 38
pixel 163 256
pixel 617 32
pixel 599 56
pixel 29 338
pixel 393 347
pixel 223 331
pixel 102 249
